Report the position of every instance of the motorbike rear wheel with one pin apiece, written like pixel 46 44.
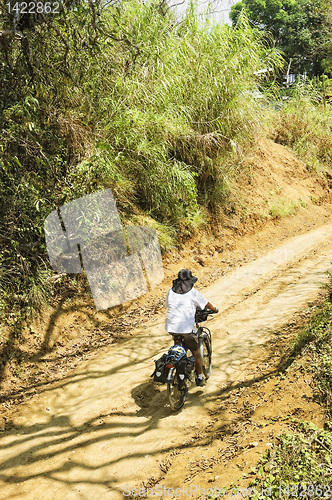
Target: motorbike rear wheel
pixel 176 390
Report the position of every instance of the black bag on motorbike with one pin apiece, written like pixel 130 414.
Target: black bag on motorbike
pixel 190 365
pixel 181 366
pixel 185 366
pixel 160 372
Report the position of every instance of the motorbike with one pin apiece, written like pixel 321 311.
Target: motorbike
pixel 177 367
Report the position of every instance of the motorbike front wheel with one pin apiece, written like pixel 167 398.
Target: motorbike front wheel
pixel 206 354
pixel 176 390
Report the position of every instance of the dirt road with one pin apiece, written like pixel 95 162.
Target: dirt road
pixel 105 428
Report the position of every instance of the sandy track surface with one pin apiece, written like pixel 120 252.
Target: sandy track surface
pixel 106 425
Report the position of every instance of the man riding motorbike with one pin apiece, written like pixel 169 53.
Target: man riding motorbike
pixel 182 300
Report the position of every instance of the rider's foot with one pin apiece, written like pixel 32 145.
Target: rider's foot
pixel 182 384
pixel 200 382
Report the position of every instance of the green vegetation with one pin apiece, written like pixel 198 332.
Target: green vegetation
pixel 161 111
pixel 300 118
pixel 124 97
pixel 299 466
pixel 283 208
pixel 303 122
pixel 301 29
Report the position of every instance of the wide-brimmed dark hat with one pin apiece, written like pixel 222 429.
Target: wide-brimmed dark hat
pixel 184 282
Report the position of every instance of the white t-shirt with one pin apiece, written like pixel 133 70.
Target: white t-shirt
pixel 181 310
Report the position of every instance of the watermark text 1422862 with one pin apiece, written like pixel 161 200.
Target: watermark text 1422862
pixel 34 7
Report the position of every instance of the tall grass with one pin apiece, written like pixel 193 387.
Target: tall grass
pixel 175 118
pixel 156 109
pixel 304 123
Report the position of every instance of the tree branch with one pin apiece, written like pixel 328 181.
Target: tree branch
pixel 109 35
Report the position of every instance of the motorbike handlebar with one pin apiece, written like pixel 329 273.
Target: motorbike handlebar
pixel 202 314
pixel 210 311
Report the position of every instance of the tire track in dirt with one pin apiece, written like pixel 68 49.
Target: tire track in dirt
pixel 106 425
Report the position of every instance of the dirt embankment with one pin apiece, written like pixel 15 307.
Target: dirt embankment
pixel 92 422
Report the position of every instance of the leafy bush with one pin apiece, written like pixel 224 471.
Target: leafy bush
pixel 304 124
pixel 299 466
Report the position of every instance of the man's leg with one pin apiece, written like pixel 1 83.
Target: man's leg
pixel 191 342
pixel 198 361
pixel 198 365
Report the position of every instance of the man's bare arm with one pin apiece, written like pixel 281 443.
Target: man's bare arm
pixel 211 307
